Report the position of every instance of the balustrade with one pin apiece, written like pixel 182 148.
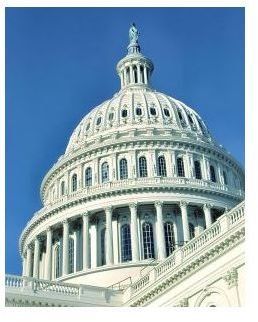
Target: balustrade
pixel 190 249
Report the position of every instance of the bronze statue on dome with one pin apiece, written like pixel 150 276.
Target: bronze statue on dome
pixel 133 34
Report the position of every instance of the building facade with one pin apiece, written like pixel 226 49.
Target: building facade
pixel 144 208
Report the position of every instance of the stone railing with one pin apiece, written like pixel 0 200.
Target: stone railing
pixel 230 219
pixel 19 287
pixel 37 285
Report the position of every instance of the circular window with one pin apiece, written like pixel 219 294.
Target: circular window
pixel 98 120
pixel 166 112
pixel 124 113
pixel 111 116
pixel 138 111
pixel 153 111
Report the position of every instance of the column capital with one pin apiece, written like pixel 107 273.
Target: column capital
pixel 49 229
pixel 207 206
pixel 85 215
pixel 231 277
pixel 183 203
pixel 133 205
pixel 65 222
pixel 108 209
pixel 30 246
pixel 158 203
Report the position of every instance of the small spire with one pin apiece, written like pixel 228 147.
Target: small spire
pixel 133 46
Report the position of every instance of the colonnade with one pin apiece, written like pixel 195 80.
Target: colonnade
pixel 127 75
pixel 32 252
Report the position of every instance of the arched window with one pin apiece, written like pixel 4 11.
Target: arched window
pixel 191 231
pixel 104 172
pixel 126 250
pixel 180 167
pixel 111 116
pixel 143 172
pixel 197 169
pixel 71 256
pixel 57 261
pixel 103 245
pixel 169 237
pixel 123 169
pixel 74 182
pixel 225 178
pixel 62 188
pixel 212 173
pixel 148 241
pixel 88 177
pixel 162 170
pixel 182 121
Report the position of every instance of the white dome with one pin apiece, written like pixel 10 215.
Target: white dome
pixel 136 162
pixel 136 107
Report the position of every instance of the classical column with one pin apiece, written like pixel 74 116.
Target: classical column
pixel 131 74
pixel 160 231
pixel 183 207
pixel 134 233
pixel 29 261
pixel 138 73
pixel 48 267
pixel 173 163
pixel 36 258
pixel 65 246
pixel 207 214
pixel 85 241
pixel 23 265
pixel 109 237
pixel 121 75
pixel 145 75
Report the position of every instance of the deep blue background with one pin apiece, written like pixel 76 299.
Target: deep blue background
pixel 60 62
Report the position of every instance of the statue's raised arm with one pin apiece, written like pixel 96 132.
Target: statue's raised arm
pixel 133 34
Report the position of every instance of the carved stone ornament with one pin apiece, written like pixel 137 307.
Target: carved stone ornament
pixel 231 278
pixel 184 302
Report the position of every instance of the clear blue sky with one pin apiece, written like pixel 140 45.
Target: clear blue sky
pixel 60 62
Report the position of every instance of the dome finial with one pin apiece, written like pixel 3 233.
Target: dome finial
pixel 133 47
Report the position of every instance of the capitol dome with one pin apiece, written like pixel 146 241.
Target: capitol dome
pixel 141 176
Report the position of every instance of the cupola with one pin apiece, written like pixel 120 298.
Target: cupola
pixel 134 69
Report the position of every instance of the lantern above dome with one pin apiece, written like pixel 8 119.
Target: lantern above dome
pixel 134 69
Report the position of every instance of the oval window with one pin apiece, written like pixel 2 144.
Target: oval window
pixel 166 112
pixel 98 120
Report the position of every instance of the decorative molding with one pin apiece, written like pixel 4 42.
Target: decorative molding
pixel 183 303
pixel 231 277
